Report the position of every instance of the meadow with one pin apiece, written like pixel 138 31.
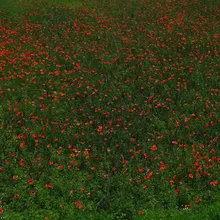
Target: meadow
pixel 109 109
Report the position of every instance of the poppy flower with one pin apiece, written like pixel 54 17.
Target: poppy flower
pixel 153 148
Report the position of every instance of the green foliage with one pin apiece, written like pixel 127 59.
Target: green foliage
pixel 109 110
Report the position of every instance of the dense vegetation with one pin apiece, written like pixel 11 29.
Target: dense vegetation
pixel 109 109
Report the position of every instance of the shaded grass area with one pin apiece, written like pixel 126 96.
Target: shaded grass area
pixel 109 110
pixel 207 212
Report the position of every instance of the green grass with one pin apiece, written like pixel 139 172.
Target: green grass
pixel 68 3
pixel 109 110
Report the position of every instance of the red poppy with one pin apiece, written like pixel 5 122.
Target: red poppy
pixel 132 139
pixel 16 196
pixel 214 183
pixel 30 182
pixel 153 148
pixel 99 129
pixel 22 145
pixel 32 192
pixel 60 167
pixel 190 176
pixel 145 187
pixel 171 182
pixel 197 200
pixel 186 206
pixel 76 203
pixel 177 191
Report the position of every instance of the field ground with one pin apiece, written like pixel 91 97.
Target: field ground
pixel 109 109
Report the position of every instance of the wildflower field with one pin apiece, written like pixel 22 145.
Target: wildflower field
pixel 109 109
